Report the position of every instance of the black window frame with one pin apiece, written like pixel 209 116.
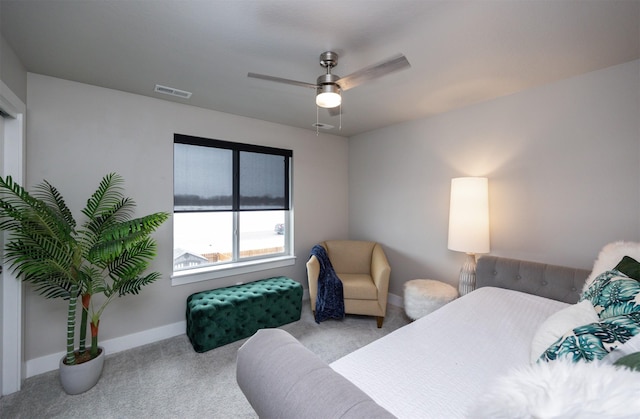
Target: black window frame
pixel 236 207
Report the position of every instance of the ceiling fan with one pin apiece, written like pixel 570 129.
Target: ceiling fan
pixel 329 86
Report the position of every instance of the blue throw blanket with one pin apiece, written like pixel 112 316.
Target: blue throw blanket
pixel 330 299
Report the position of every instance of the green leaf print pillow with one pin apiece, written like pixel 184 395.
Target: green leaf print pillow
pixel 595 340
pixel 613 293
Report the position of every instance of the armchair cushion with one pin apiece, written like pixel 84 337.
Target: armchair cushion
pixel 359 287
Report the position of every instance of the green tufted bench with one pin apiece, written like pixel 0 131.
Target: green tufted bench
pixel 224 315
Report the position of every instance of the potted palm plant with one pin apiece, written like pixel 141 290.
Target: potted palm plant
pixel 105 257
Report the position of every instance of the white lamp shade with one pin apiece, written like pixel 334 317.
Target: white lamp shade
pixel 469 215
pixel 328 96
pixel 328 100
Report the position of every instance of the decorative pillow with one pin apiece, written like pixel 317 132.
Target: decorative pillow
pixel 609 256
pixel 613 293
pixel 594 341
pixel 631 361
pixel 560 323
pixel 630 267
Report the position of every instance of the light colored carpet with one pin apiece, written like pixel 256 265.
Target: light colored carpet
pixel 168 379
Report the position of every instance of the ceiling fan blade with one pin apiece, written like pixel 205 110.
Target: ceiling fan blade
pixel 281 80
pixel 395 63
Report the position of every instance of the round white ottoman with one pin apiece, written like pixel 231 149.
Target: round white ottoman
pixel 422 296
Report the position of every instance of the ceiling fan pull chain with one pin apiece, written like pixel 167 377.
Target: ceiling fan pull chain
pixel 340 125
pixel 317 120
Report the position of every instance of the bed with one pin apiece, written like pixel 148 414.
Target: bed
pixel 441 365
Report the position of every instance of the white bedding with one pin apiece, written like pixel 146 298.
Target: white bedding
pixel 440 364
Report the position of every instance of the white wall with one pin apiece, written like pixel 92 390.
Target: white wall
pixel 563 162
pixel 77 133
pixel 13 92
pixel 12 72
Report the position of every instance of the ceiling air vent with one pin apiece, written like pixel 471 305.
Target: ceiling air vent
pixel 173 92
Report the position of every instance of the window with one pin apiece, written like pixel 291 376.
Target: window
pixel 232 205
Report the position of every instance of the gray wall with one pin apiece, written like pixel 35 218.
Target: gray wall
pixel 12 72
pixel 77 133
pixel 563 162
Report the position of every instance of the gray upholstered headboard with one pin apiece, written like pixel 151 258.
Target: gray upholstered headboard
pixel 551 281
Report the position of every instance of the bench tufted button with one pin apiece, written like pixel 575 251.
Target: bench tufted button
pixel 573 289
pixel 518 277
pixel 545 283
pixel 495 273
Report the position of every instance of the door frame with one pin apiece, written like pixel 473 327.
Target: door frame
pixel 12 362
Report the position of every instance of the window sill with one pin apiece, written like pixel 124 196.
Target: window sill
pixel 239 268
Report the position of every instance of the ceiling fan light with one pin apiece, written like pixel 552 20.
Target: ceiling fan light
pixel 328 96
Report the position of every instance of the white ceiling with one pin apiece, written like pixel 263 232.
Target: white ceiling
pixel 461 52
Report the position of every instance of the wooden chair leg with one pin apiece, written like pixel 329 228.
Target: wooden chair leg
pixel 379 320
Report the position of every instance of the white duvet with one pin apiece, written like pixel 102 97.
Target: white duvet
pixel 439 365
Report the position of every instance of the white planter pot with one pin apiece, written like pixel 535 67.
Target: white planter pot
pixel 76 379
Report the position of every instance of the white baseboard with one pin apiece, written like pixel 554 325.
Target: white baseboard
pixel 51 362
pixel 395 300
pixel 111 346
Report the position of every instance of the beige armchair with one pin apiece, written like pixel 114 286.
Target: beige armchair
pixel 364 271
